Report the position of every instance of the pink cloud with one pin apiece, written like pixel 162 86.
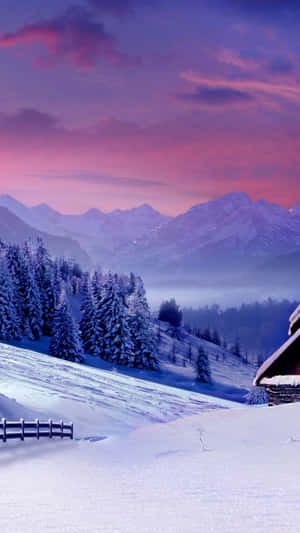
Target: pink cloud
pixel 74 37
pixel 288 91
pixel 113 159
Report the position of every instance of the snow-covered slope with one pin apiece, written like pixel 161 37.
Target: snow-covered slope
pixel 232 377
pixel 121 401
pixel 219 471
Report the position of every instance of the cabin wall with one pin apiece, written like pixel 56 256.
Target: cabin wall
pixel 279 394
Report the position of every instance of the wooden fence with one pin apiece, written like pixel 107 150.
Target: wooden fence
pixel 35 429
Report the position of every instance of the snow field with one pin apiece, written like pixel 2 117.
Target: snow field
pixel 171 461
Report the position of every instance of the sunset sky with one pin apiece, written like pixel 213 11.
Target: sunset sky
pixel 113 103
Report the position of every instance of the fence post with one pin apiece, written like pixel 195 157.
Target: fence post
pixel 22 428
pixel 71 427
pixel 61 429
pixel 4 429
pixel 37 428
pixel 50 428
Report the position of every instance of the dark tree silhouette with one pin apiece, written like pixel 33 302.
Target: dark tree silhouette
pixel 169 312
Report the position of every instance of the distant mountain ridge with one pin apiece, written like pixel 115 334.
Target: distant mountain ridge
pixel 98 233
pixel 14 230
pixel 230 239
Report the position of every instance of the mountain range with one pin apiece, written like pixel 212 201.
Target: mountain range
pixel 15 230
pixel 228 240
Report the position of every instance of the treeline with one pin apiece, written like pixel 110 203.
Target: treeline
pixel 114 322
pixel 255 329
pixel 170 312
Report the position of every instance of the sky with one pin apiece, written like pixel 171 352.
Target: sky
pixel 114 103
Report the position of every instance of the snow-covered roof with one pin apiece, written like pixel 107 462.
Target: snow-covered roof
pixel 295 316
pixel 271 360
pixel 293 380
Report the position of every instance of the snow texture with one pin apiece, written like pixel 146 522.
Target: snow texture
pixel 282 380
pixel 217 471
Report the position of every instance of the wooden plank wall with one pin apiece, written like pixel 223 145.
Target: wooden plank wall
pixel 283 394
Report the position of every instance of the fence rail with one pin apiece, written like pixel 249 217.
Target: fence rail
pixel 38 429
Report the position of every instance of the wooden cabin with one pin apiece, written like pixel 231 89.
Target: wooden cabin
pixel 280 373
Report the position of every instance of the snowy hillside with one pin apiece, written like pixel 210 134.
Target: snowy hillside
pixel 121 402
pixel 231 376
pixel 206 468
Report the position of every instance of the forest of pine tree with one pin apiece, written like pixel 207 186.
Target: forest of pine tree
pixel 36 294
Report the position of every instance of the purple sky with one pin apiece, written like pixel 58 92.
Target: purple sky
pixel 112 103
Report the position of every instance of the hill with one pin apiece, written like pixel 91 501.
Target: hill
pixel 145 457
pixel 232 378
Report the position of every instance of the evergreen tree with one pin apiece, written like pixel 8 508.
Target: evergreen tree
pixel 132 284
pixel 95 328
pixel 44 274
pixel 257 396
pixel 87 322
pixel 9 322
pixel 65 342
pixel 58 282
pixel 14 261
pixel 118 346
pixel 169 312
pixel 31 298
pixel 203 367
pixel 145 347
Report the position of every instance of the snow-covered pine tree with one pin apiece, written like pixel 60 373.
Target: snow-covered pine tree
pixel 203 367
pixel 57 282
pixel 14 261
pixel 131 284
pixel 65 342
pixel 118 345
pixel 95 324
pixel 31 298
pixel 9 321
pixel 145 345
pixel 44 274
pixel 87 322
pixel 257 396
